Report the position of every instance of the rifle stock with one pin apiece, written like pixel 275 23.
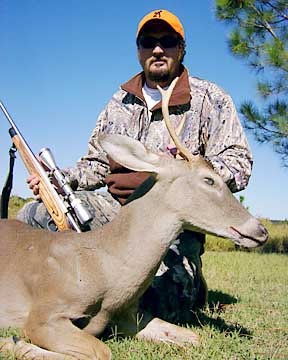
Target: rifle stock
pixel 48 194
pixel 51 199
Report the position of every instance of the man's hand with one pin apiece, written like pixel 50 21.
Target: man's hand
pixel 33 182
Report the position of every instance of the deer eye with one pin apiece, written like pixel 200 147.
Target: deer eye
pixel 209 181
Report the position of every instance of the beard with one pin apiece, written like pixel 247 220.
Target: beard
pixel 159 75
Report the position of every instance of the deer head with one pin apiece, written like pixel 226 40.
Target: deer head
pixel 193 190
pixel 195 193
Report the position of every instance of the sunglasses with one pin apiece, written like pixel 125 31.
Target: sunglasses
pixel 149 42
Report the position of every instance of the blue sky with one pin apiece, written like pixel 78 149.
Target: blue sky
pixel 61 61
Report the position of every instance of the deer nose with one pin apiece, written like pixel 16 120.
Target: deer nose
pixel 265 234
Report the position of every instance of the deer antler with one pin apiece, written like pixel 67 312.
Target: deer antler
pixel 171 146
pixel 166 94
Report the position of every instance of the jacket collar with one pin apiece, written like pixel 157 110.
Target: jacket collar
pixel 180 95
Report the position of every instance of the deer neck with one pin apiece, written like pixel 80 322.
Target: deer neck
pixel 155 225
pixel 145 228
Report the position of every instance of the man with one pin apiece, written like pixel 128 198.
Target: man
pixel 212 129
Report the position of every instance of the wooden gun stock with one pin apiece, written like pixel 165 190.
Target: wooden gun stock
pixel 49 195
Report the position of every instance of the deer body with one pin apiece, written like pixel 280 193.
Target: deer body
pixel 63 289
pixel 109 268
pixel 51 280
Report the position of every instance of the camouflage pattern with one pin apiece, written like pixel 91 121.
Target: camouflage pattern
pixel 100 204
pixel 212 128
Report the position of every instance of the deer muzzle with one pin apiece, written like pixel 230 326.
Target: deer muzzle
pixel 251 234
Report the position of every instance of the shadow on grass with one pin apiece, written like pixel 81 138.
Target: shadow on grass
pixel 217 298
pixel 219 324
pixel 180 313
pixel 217 302
pixel 209 317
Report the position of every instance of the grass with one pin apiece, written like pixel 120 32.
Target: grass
pixel 247 317
pixel 253 323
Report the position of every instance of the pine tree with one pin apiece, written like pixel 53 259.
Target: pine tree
pixel 259 35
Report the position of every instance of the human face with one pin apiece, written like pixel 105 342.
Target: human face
pixel 160 64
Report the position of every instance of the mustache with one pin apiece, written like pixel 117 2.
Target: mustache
pixel 157 58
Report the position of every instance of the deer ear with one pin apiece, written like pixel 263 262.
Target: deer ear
pixel 130 153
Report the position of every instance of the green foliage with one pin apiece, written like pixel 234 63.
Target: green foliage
pixel 278 237
pixel 15 204
pixel 259 35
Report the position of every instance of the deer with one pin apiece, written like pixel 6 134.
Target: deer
pixel 64 289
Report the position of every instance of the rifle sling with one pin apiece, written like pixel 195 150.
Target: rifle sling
pixel 8 184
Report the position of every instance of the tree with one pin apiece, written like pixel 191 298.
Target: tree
pixel 259 35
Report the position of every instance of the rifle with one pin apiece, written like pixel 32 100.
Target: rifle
pixel 65 212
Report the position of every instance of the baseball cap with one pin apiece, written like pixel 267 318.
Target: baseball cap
pixel 163 15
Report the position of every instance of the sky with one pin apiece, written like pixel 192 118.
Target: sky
pixel 61 61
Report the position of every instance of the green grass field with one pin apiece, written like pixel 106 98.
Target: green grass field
pixel 247 317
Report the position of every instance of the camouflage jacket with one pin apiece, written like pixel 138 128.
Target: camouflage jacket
pixel 212 128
